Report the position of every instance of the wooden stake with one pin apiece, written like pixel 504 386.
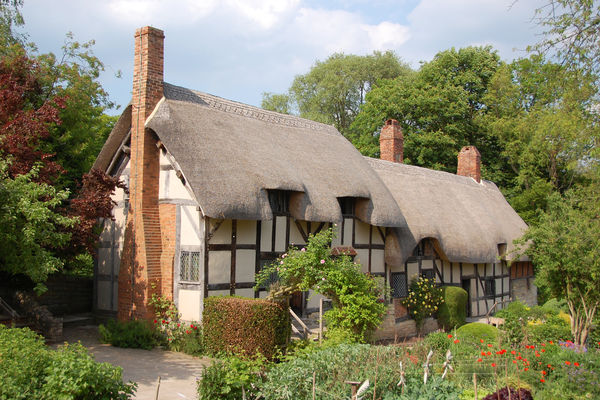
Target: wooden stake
pixel 157 388
pixel 320 320
pixel 475 384
pixel 314 386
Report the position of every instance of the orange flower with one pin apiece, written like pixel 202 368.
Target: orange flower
pixel 544 373
pixel 542 380
pixel 481 340
pixel 456 341
pixel 568 362
pixel 576 364
pixel 489 345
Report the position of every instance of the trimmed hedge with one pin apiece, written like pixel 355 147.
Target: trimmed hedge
pixel 453 311
pixel 245 326
pixel 473 332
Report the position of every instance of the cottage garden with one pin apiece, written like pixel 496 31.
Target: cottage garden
pixel 530 356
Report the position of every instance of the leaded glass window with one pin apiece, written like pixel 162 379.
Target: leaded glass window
pixel 189 266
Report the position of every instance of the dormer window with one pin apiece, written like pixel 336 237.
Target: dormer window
pixel 279 200
pixel 347 206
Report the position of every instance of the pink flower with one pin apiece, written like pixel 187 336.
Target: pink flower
pixel 303 249
pixel 323 278
pixel 322 261
pixel 281 262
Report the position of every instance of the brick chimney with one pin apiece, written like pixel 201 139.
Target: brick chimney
pixel 141 258
pixel 469 163
pixel 391 142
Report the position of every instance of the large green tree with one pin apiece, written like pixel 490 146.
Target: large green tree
pixel 438 109
pixel 564 247
pixel 544 117
pixel 333 90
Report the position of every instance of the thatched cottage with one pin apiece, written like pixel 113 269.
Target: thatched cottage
pixel 218 189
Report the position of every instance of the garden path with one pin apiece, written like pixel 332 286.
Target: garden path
pixel 178 371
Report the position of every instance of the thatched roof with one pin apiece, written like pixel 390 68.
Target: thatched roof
pixel 468 220
pixel 231 153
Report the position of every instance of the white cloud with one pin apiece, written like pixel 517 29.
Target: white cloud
pixel 267 13
pixel 143 12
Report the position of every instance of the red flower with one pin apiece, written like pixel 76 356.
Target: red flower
pixel 576 364
pixel 551 342
pixel 513 352
pixel 489 345
pixel 568 362
pixel 187 331
pixel 549 366
pixel 449 336
pixel 542 380
pixel 525 369
pixel 456 340
pixel 543 350
pixel 164 322
pixel 544 373
pixel 155 321
pixel 514 361
pixel 489 353
pixel 493 364
pixel 479 360
pixel 481 340
pixel 483 353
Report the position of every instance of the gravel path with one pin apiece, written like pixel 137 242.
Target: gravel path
pixel 178 371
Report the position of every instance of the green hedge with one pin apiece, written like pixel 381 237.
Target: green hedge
pixel 136 334
pixel 472 333
pixel 245 326
pixel 453 311
pixel 30 370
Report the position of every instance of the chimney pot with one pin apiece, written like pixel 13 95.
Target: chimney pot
pixel 469 163
pixel 391 142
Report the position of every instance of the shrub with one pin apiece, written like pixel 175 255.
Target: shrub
pixel 555 329
pixel 438 341
pixel 355 296
pixel 245 326
pixel 231 379
pixel 452 312
pixel 555 306
pixel 436 388
pixel 29 370
pixel 503 394
pixel 472 333
pixel 423 300
pixel 135 334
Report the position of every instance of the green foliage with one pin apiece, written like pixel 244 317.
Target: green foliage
pixel 29 370
pixel 475 331
pixel 333 90
pixel 553 328
pixel 243 326
pixel 357 308
pixel 555 306
pixel 564 248
pixel 436 388
pixel 333 366
pixel 438 109
pixel 439 342
pixel 136 334
pixel 452 312
pixel 231 379
pixel 423 300
pixel 31 226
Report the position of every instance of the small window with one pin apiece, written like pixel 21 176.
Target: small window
pixel 399 285
pixel 347 206
pixel 189 266
pixel 279 200
pixel 428 274
pixel 489 287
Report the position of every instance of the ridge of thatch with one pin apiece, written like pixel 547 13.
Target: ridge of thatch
pixel 469 220
pixel 231 154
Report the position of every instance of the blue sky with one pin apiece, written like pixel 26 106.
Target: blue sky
pixel 239 49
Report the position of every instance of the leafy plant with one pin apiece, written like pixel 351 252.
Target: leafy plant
pixel 231 378
pixel 452 312
pixel 355 296
pixel 135 334
pixel 423 300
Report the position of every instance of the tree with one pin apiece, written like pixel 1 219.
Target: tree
pixel 40 230
pixel 438 109
pixel 542 115
pixel 333 90
pixel 564 249
pixel 572 32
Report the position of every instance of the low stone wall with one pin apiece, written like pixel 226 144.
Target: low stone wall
pixel 42 319
pixel 392 330
pixel 524 290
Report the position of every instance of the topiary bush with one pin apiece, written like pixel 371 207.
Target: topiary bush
pixel 245 326
pixel 136 334
pixel 452 312
pixel 474 332
pixel 29 370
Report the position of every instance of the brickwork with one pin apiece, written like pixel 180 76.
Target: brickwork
pixel 168 222
pixel 391 142
pixel 469 163
pixel 141 265
pixel 390 329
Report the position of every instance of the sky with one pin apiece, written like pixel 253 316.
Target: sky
pixel 238 49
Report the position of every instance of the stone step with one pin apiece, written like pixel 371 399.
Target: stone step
pixel 78 319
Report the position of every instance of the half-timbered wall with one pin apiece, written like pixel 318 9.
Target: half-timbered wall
pixel 486 284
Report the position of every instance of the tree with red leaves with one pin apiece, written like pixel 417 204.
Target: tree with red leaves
pixel 40 230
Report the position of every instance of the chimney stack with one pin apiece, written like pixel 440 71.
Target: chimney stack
pixel 391 142
pixel 469 163
pixel 140 268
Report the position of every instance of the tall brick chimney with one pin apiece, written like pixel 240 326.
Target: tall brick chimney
pixel 391 142
pixel 140 261
pixel 469 163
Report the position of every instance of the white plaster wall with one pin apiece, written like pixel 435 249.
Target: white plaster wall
pixel 348 232
pixel 190 234
pixel 295 236
pixel 266 230
pixel 219 267
pixel 362 258
pixel 244 266
pixel 223 234
pixel 245 293
pixel 361 234
pixel 170 186
pixel 280 234
pixel 246 232
pixel 190 304
pixel 377 260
